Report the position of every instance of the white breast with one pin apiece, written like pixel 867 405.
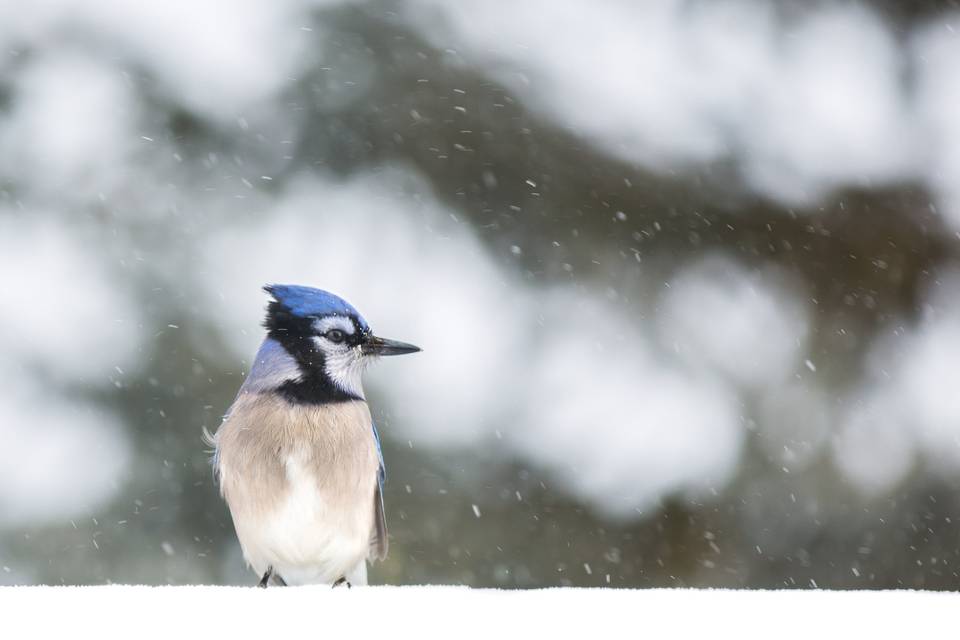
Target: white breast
pixel 300 482
pixel 311 536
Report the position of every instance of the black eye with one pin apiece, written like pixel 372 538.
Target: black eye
pixel 336 335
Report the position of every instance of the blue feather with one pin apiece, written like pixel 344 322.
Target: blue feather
pixel 382 474
pixel 307 301
pixel 379 542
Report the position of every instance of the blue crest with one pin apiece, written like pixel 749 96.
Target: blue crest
pixel 307 301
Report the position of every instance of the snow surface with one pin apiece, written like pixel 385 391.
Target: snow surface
pixel 205 612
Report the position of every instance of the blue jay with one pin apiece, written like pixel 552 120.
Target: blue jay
pixel 297 456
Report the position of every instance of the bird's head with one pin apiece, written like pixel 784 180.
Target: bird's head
pixel 328 338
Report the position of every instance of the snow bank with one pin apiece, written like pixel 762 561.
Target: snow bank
pixel 204 612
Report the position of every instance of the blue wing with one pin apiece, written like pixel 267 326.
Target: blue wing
pixel 378 538
pixel 382 473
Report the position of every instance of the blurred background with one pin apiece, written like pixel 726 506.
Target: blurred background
pixel 686 275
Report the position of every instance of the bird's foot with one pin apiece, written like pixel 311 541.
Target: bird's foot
pixel 265 580
pixel 268 575
pixel 342 580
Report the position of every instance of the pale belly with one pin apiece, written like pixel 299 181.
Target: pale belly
pixel 310 536
pixel 300 484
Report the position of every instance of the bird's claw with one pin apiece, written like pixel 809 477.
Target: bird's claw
pixel 277 580
pixel 265 580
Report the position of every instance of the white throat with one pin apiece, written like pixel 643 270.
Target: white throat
pixel 345 370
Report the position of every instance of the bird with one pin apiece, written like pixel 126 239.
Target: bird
pixel 298 457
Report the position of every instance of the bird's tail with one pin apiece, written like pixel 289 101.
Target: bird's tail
pixel 210 440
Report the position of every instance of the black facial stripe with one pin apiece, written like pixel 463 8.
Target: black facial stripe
pixel 314 389
pixel 295 334
pixel 358 335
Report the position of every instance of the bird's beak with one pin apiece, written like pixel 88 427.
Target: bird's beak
pixel 374 346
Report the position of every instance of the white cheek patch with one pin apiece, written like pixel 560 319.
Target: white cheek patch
pixel 321 344
pixel 334 322
pixel 345 369
pixel 343 364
